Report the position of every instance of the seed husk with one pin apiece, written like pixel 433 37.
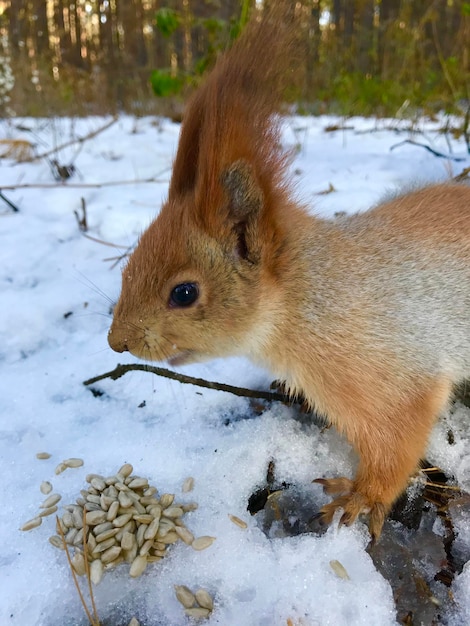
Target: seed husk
pixel 197 613
pixel 32 523
pixel 138 566
pixel 185 596
pixel 46 487
pixel 237 521
pixel 204 599
pixel 42 456
pixel 201 543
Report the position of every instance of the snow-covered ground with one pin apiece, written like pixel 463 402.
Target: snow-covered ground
pixel 56 290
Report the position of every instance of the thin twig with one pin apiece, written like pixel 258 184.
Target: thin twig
pixel 75 580
pixel 96 621
pixel 120 370
pixel 111 183
pixel 428 148
pixel 462 176
pixel 12 206
pixel 71 142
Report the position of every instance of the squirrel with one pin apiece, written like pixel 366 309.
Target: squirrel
pixel 367 317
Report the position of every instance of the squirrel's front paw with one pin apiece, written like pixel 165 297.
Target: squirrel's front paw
pixel 353 503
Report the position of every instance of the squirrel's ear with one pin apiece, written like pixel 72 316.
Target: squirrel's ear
pixel 245 201
pixel 244 194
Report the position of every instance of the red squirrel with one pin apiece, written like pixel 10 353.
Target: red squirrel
pixel 366 317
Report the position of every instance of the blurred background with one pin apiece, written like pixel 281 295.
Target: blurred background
pixel 362 57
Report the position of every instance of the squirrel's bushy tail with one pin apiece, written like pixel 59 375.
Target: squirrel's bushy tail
pixel 232 115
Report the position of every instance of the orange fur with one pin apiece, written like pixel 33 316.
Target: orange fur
pixel 367 316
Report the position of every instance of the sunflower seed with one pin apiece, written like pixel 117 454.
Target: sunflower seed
pixel 33 523
pixel 185 596
pixel 204 599
pixel 60 468
pixel 138 566
pixel 146 547
pixel 197 613
pixel 96 571
pixel 122 520
pixel 184 534
pixel 173 511
pixel 45 487
pixel 112 511
pixel 70 536
pixel 43 456
pixel 201 543
pixel 128 541
pixel 152 529
pixel 103 546
pixel 49 511
pixel 188 485
pixel 111 554
pixel 139 483
pixel 92 518
pixel 98 483
pixel 166 500
pixel 78 563
pixel 101 528
pixel 133 622
pixel 339 569
pixel 106 535
pixel 57 542
pixel 239 522
pixel 73 462
pixel 126 470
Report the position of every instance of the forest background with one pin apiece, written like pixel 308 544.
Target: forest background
pixel 362 57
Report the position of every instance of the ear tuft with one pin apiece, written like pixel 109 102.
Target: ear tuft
pixel 245 196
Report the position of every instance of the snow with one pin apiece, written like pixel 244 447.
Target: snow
pixel 56 294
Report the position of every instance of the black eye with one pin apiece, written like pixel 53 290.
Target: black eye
pixel 184 294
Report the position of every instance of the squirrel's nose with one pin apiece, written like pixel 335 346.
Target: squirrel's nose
pixel 116 343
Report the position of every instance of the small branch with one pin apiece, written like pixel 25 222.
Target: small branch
pixel 464 174
pixel 78 140
pixel 120 370
pixel 12 206
pixel 111 183
pixel 428 148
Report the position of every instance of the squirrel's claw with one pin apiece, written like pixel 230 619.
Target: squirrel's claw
pixel 352 504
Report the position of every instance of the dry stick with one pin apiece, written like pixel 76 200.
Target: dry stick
pixel 426 147
pixel 462 176
pixel 120 370
pixel 82 599
pixel 73 141
pixel 87 572
pixel 111 183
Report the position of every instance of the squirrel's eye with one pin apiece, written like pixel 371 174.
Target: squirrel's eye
pixel 184 294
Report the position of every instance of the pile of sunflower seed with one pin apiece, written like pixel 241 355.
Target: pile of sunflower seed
pixel 121 519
